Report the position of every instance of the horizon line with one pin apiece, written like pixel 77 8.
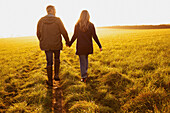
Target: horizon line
pixel 127 25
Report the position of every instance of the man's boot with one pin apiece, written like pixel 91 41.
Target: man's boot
pixel 49 74
pixel 56 70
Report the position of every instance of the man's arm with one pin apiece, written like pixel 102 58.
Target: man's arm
pixel 63 31
pixel 38 29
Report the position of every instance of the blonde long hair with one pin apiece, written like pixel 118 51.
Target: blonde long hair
pixel 84 20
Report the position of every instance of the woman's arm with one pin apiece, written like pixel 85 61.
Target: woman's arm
pixel 95 36
pixel 74 37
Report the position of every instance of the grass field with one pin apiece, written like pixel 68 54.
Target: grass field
pixel 131 74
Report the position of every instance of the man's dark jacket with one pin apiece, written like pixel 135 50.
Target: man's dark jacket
pixel 84 40
pixel 49 31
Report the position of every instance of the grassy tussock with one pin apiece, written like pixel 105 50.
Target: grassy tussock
pixel 148 102
pixel 131 74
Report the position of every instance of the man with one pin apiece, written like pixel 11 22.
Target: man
pixel 49 31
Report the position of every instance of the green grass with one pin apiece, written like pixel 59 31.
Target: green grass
pixel 131 74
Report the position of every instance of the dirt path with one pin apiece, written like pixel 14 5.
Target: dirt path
pixel 57 99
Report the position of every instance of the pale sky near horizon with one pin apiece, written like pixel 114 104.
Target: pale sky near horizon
pixel 20 17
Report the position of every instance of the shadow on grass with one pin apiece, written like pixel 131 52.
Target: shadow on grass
pixel 47 106
pixel 53 99
pixel 57 100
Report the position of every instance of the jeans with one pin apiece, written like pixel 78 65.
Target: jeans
pixel 49 56
pixel 83 65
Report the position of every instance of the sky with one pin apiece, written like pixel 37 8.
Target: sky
pixel 20 17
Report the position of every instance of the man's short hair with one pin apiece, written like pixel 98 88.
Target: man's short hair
pixel 49 8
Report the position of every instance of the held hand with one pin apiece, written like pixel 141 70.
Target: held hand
pixel 67 45
pixel 101 49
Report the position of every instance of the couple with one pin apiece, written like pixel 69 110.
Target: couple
pixel 49 31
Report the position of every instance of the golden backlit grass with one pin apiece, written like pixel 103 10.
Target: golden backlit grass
pixel 131 74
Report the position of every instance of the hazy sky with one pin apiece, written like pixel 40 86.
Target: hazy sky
pixel 20 17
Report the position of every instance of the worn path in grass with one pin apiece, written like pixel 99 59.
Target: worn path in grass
pixel 57 98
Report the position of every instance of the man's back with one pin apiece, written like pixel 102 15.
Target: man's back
pixel 49 32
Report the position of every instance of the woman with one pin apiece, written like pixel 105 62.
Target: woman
pixel 83 32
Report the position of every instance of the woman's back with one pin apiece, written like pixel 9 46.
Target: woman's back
pixel 83 32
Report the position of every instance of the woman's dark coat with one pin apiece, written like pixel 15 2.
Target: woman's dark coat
pixel 84 40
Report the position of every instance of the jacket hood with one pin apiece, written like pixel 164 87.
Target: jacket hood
pixel 49 19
